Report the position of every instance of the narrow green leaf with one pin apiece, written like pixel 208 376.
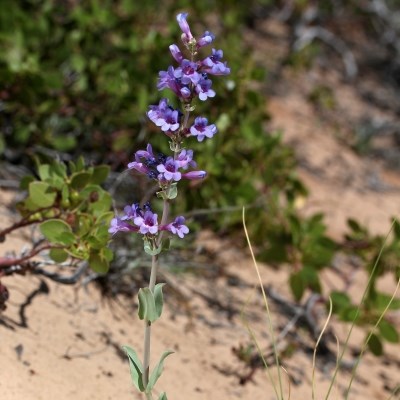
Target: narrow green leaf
pixel 375 345
pixel 136 368
pixel 163 396
pixel 388 332
pixel 157 370
pixel 40 194
pixel 53 229
pixel 158 298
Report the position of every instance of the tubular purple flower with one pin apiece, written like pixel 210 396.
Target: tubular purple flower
pixel 169 170
pixel 118 225
pixel 187 35
pixel 168 80
pixel 177 227
pixel 194 175
pixel 203 89
pixel 213 65
pixel 148 223
pixel 131 212
pixel 164 116
pixel 188 73
pixel 138 166
pixel 185 159
pixel 176 53
pixel 202 130
pixel 205 40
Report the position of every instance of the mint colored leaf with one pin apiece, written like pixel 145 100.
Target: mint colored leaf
pixel 172 191
pixel 158 298
pixel 53 229
pixel 40 194
pixel 79 180
pixel 98 264
pixel 147 307
pixel 58 255
pixel 388 332
pixel 157 370
pixel 136 368
pixel 150 250
pixel 375 345
pixel 163 396
pixel 67 238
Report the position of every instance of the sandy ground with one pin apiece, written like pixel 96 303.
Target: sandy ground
pixel 61 342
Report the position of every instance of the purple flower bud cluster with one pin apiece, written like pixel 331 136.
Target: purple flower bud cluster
pixel 188 81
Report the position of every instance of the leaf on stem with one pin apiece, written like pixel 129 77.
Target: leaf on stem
pixel 163 396
pixel 157 371
pixel 136 368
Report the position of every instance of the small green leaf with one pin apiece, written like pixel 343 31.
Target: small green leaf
pixel 375 345
pixel 136 368
pixel 340 301
pixel 99 174
pixel 388 332
pixel 158 298
pixel 157 370
pixel 98 264
pixel 172 191
pixel 58 255
pixel 147 307
pixel 40 194
pixel 79 180
pixel 163 396
pixel 25 181
pixel 53 229
pixel 151 250
pixel 44 171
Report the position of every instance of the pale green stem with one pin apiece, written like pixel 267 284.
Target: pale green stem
pixel 152 283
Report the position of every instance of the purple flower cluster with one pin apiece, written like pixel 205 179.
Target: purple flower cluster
pixel 188 81
pixel 144 221
pixel 165 169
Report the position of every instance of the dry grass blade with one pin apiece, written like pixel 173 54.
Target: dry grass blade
pixel 316 346
pixel 271 330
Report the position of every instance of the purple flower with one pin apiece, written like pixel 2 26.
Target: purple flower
pixel 176 53
pixel 118 225
pixel 138 166
pixel 188 72
pixel 164 116
pixel 185 159
pixel 169 170
pixel 194 175
pixel 147 223
pixel 177 227
pixel 131 212
pixel 186 35
pixel 206 39
pixel 213 65
pixel 202 130
pixel 171 79
pixel 203 88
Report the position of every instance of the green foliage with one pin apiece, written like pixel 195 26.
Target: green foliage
pixel 136 368
pixel 72 210
pixel 151 303
pixel 156 373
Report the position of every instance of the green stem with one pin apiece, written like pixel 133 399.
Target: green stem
pixel 152 283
